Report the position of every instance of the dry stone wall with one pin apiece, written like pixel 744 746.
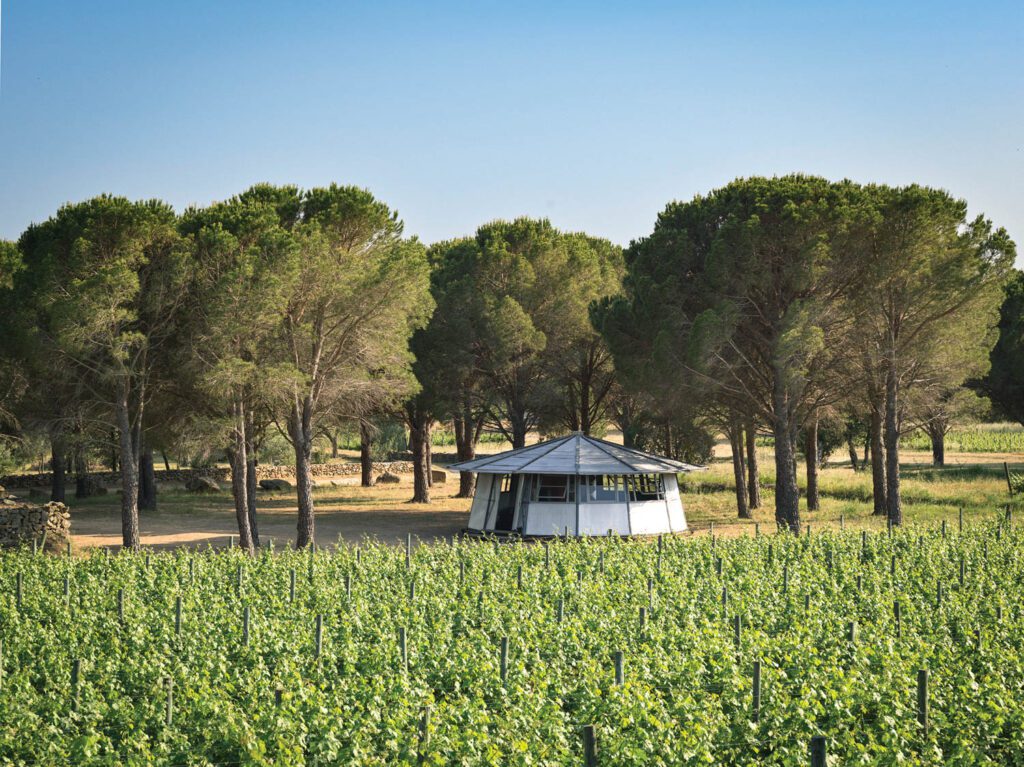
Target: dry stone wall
pixel 219 474
pixel 21 523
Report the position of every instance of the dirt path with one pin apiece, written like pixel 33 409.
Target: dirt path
pixel 347 513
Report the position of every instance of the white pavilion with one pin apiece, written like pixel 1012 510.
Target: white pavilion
pixel 576 485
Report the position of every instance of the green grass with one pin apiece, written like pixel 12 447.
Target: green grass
pixel 929 495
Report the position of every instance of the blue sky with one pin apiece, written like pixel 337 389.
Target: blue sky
pixel 594 115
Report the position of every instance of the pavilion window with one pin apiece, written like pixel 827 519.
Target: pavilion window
pixel 603 488
pixel 646 487
pixel 554 488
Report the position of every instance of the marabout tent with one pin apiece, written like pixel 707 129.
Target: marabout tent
pixel 576 485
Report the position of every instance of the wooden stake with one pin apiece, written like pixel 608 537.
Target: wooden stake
pixel 589 746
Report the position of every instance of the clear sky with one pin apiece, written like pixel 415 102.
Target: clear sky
pixel 594 115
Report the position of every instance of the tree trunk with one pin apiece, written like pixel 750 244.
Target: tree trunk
pixel 894 507
pixel 302 439
pixel 240 479
pixel 739 471
pixel 852 448
pixel 753 471
pixel 878 492
pixel 787 493
pixel 811 454
pixel 428 457
pixel 332 437
pixel 518 433
pixel 250 475
pixel 83 488
pixel 147 480
pixel 465 449
pixel 419 434
pixel 365 457
pixel 938 437
pixel 167 464
pixel 128 461
pixel 58 484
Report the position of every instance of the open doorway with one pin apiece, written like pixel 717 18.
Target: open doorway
pixel 507 502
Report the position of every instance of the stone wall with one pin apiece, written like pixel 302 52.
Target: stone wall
pixel 218 473
pixel 21 523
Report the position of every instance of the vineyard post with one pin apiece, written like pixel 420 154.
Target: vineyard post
pixel 897 617
pixel 412 591
pixel 18 578
pixel 519 577
pixel 807 603
pixel 504 659
pixel 938 594
pixel 408 551
pixel 785 579
pixel 851 632
pixel 120 605
pixel 547 555
pixel 318 635
pixel 191 570
pixel 892 566
pixel 245 626
pixel 756 713
pixel 76 670
pixel 961 515
pixel 725 601
pixel 69 545
pixel 589 746
pixel 600 563
pixel 650 593
pixel 620 676
pixel 757 529
pixel 943 529
pixel 737 629
pixel 718 566
pixel 239 584
pixel 922 698
pixel 170 702
pixel 231 541
pixel 403 651
pixel 963 571
pixel 177 616
pixel 278 697
pixel 643 620
pixel 424 734
pixel 291 585
pixel 818 751
pixel 67 586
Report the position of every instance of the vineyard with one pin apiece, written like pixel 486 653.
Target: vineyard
pixel 981 438
pixel 878 648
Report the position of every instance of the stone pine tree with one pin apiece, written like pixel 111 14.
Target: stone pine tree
pixel 450 344
pixel 359 292
pixel 931 289
pixel 105 278
pixel 742 293
pixel 1004 383
pixel 243 264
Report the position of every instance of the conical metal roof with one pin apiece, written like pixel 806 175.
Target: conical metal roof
pixel 574 454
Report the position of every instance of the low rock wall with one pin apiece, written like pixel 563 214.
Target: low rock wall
pixel 21 523
pixel 218 473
